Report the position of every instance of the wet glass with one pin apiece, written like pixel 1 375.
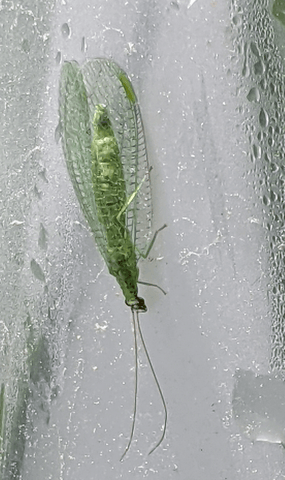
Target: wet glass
pixel 209 77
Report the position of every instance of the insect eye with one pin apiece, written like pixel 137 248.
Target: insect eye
pixel 138 305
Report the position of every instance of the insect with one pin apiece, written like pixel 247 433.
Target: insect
pixel 104 147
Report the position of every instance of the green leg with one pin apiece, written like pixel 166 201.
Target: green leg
pixel 145 255
pixel 153 285
pixel 130 199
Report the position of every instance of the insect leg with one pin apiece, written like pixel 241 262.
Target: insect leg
pixel 130 199
pixel 153 285
pixel 145 255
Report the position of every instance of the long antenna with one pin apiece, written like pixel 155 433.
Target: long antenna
pixel 157 384
pixel 136 388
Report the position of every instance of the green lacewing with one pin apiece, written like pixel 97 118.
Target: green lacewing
pixel 105 151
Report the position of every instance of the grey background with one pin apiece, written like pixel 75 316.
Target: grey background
pixel 65 333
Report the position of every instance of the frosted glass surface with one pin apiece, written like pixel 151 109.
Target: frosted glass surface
pixel 209 77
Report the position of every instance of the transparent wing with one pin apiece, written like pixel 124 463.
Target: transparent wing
pixel 107 84
pixel 76 140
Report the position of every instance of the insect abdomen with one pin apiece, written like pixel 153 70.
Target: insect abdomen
pixel 110 196
pixel 107 171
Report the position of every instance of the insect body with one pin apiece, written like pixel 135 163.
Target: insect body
pixel 110 197
pixel 104 148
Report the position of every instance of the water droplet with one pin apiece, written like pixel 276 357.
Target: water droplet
pixel 58 58
pixel 274 167
pixel 272 88
pixel 256 150
pixel 42 240
pixel 37 270
pixel 267 158
pixel 254 49
pixel 175 5
pixel 260 136
pixel 267 57
pixel 271 130
pixel 263 118
pixel 83 45
pixel 65 30
pixel 263 84
pixel 57 133
pixel 237 20
pixel 274 197
pixel 259 68
pixel 25 46
pixel 245 71
pixel 253 95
